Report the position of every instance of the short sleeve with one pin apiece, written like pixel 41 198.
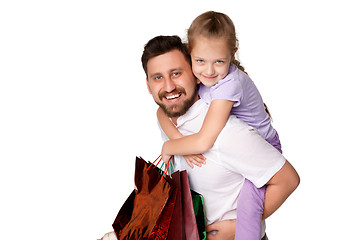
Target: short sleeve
pixel 228 88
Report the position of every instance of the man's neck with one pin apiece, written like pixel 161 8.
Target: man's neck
pixel 174 119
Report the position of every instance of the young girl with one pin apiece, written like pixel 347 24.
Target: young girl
pixel 228 89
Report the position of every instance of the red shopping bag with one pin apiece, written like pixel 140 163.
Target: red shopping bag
pixel 177 228
pixel 147 212
pixel 189 219
pixel 183 224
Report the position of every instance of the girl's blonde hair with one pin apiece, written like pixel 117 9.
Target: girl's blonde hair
pixel 214 25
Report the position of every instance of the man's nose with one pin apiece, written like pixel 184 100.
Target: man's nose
pixel 169 85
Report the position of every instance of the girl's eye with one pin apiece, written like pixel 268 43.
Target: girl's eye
pixel 219 61
pixel 200 61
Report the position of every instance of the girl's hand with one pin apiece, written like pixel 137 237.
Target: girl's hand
pixel 165 158
pixel 197 159
pixel 225 230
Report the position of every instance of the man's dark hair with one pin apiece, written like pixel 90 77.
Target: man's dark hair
pixel 163 44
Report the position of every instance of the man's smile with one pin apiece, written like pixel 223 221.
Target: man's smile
pixel 172 97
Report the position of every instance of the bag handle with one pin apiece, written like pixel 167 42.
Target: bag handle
pixel 167 166
pixel 158 159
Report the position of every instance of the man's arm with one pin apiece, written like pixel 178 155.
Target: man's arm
pixel 279 188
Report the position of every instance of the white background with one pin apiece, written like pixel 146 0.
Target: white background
pixel 75 111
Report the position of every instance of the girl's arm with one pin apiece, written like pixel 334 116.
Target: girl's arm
pixel 202 141
pixel 279 188
pixel 173 133
pixel 167 126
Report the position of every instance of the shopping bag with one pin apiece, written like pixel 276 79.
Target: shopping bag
pixel 161 207
pixel 147 212
pixel 199 210
pixel 188 219
pixel 177 228
pixel 183 225
pixel 190 224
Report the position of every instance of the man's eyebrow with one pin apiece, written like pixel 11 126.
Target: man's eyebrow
pixel 171 70
pixel 154 74
pixel 176 69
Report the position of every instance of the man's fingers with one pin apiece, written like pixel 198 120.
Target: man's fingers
pixel 211 227
pixel 210 237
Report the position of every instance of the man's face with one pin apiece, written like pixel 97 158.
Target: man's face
pixel 172 83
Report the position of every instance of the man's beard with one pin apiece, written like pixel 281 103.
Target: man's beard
pixel 177 110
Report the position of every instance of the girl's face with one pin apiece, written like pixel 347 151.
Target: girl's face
pixel 211 59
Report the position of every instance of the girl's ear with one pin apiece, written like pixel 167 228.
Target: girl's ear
pixel 233 54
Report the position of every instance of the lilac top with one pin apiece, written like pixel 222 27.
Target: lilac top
pixel 248 104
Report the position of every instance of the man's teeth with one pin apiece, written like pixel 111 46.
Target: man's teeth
pixel 173 96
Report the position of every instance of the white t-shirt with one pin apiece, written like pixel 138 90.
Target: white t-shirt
pixel 238 152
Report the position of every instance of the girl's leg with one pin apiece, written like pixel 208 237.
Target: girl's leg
pixel 276 142
pixel 250 206
pixel 249 212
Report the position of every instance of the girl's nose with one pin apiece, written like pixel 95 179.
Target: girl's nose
pixel 210 70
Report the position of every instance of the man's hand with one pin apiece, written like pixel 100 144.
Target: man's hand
pixel 109 236
pixel 225 230
pixel 197 159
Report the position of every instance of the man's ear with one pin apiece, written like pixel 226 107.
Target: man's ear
pixel 147 84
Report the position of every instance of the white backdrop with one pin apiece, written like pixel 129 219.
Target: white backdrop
pixel 75 111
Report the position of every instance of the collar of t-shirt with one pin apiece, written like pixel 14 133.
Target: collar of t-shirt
pixel 192 113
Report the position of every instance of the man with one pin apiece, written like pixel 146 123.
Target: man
pixel 238 152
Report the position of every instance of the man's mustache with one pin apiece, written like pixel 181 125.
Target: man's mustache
pixel 175 91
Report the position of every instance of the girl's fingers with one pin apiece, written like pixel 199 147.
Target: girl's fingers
pixel 195 159
pixel 189 162
pixel 200 158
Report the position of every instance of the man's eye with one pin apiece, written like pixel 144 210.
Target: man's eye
pixel 157 77
pixel 176 74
